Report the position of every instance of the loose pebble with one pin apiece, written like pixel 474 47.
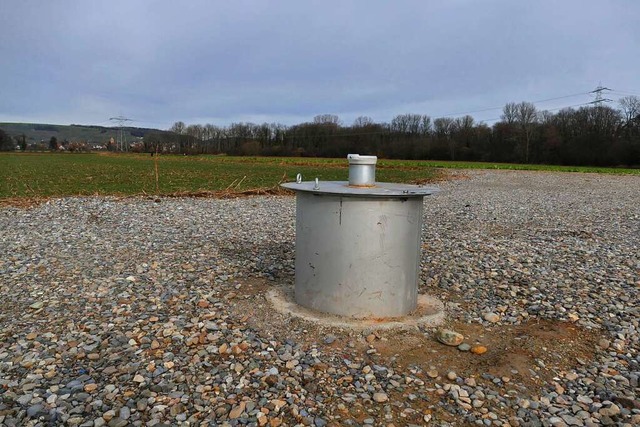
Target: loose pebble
pixel 449 337
pixel 478 349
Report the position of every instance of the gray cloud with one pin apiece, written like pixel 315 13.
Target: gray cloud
pixel 219 62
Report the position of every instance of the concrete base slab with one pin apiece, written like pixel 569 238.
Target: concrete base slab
pixel 428 314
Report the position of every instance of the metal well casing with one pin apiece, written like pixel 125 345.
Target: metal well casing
pixel 362 170
pixel 357 255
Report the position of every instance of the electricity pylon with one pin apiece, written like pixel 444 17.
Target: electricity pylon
pixel 121 143
pixel 598 93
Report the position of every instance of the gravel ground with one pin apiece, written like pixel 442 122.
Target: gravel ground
pixel 139 312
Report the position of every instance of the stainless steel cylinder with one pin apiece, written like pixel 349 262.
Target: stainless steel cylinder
pixel 357 256
pixel 362 170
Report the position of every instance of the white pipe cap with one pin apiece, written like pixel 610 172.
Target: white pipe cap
pixel 357 159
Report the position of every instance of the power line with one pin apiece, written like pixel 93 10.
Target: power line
pixel 102 122
pixel 121 120
pixel 547 109
pixel 560 97
pixel 388 131
pixel 624 93
pixel 500 108
pixel 150 121
pixel 599 99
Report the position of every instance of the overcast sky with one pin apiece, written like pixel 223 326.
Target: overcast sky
pixel 217 62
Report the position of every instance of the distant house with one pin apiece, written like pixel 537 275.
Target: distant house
pixel 137 146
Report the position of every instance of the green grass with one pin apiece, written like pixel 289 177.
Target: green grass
pixel 443 164
pixel 439 164
pixel 63 174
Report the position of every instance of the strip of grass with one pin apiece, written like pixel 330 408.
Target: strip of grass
pixel 440 164
pixel 64 174
pixel 527 167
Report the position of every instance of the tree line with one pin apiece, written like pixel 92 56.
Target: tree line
pixel 596 135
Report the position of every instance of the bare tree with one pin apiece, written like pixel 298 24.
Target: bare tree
pixel 509 113
pixel 264 135
pixel 324 119
pixel 443 128
pixel 178 127
pixel 242 131
pixel 408 123
pixel 425 125
pixel 526 117
pixel 464 129
pixel 525 113
pixel 279 132
pixel 210 131
pixel 195 131
pixel 362 121
pixel 465 122
pixel 400 123
pixel 630 106
pixel 545 116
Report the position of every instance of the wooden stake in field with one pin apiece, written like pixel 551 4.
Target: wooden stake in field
pixel 155 161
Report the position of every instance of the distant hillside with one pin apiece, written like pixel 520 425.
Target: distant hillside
pixel 36 132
